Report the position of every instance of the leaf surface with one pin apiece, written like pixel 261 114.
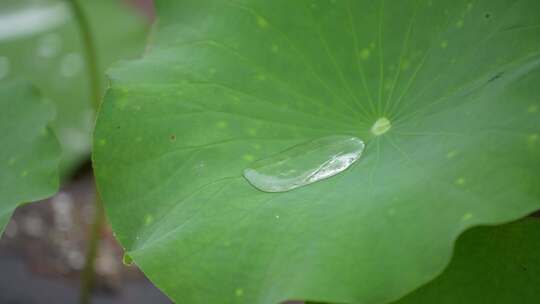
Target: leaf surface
pixel 30 153
pixel 444 94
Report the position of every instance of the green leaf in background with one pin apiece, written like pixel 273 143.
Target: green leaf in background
pixel 444 93
pixel 497 265
pixel 30 153
pixel 40 41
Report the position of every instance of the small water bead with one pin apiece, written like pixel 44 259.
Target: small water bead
pixel 305 164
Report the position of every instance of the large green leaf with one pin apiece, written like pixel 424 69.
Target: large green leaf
pixel 30 153
pixel 40 41
pixel 230 82
pixel 498 265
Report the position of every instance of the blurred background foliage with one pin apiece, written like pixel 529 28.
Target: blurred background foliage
pixel 43 247
pixel 40 42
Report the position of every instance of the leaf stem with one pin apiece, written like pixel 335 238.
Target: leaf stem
pixel 88 273
pixel 90 52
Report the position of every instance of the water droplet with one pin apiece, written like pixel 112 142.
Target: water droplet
pixel 4 67
pixel 32 19
pixel 305 164
pixel 71 64
pixel 127 260
pixel 381 126
pixel 49 45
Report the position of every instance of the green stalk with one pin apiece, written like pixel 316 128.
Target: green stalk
pixel 88 273
pixel 90 52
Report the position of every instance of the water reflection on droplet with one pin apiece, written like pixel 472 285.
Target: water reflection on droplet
pixel 71 64
pixel 305 164
pixel 4 67
pixel 49 46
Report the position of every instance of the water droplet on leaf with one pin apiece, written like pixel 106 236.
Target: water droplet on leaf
pixel 305 164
